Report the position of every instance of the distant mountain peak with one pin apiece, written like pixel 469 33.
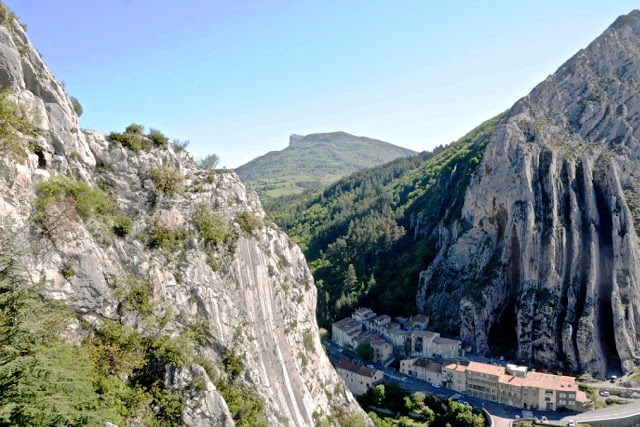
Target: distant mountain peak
pixel 632 18
pixel 294 139
pixel 315 160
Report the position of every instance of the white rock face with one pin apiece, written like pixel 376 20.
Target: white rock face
pixel 549 219
pixel 259 300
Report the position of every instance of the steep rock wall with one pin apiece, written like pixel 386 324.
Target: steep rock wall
pixel 254 294
pixel 547 243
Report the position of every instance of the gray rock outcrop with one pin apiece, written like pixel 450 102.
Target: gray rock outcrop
pixel 546 255
pixel 254 294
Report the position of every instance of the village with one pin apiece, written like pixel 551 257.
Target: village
pixel 439 361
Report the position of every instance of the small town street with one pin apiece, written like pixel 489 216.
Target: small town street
pixel 501 415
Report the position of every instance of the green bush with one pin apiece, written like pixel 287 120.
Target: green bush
pixel 133 141
pixel 77 107
pixel 210 225
pixel 89 202
pixel 122 226
pixel 249 222
pixel 167 239
pixel 137 293
pixel 158 138
pixel 307 340
pixel 15 126
pixel 209 162
pixel 232 363
pixel 135 129
pixel 167 180
pixel 180 146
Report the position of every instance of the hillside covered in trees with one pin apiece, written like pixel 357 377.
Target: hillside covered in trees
pixel 359 234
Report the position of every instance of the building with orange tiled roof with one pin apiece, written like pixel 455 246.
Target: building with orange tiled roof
pixel 455 377
pixel 510 390
pixel 548 391
pixel 483 380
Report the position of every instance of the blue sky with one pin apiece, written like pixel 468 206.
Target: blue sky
pixel 236 78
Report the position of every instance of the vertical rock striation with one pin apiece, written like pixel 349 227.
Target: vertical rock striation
pixel 548 240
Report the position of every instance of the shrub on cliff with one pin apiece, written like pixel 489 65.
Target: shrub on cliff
pixel 210 225
pixel 167 180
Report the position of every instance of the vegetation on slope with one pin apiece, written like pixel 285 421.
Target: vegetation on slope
pixel 357 234
pixel 315 161
pixel 116 374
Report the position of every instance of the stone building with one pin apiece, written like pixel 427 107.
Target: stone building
pixel 455 377
pixel 359 379
pixel 423 369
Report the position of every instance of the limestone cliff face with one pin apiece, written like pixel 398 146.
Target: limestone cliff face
pixel 548 240
pixel 255 294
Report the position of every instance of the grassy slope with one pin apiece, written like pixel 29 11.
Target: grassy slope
pixel 316 161
pixel 364 220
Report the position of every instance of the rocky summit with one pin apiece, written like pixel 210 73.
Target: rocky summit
pixel 184 304
pixel 521 238
pixel 551 219
pixel 313 161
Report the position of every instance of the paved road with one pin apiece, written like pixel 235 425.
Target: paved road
pixel 502 415
pixel 613 412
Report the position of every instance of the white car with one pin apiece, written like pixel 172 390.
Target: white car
pixel 544 420
pixel 370 366
pixel 571 423
pixel 436 385
pixel 604 393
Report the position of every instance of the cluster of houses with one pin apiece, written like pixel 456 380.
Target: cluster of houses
pixel 407 336
pixel 511 385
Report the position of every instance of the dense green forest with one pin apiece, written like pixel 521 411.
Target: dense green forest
pixel 358 234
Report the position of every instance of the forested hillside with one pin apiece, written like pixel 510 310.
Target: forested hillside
pixel 359 234
pixel 314 161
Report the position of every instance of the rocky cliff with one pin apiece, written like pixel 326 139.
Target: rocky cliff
pixel 545 258
pixel 246 290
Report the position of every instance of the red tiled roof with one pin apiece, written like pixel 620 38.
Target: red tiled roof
pixel 550 382
pixel 429 365
pixel 455 367
pixel 485 368
pixel 356 369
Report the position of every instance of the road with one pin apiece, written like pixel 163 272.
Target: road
pixel 501 415
pixel 613 412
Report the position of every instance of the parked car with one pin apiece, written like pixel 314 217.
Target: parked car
pixel 370 366
pixel 436 385
pixel 467 403
pixel 613 378
pixel 604 393
pixel 571 423
pixel 501 358
pixel 544 420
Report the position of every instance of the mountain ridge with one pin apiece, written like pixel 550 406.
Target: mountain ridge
pixel 540 232
pixel 314 160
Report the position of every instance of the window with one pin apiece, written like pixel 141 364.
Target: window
pixel 571 403
pixel 563 402
pixel 563 395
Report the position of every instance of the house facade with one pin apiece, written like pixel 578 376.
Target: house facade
pixel 359 379
pixel 423 369
pixel 483 380
pixel 455 377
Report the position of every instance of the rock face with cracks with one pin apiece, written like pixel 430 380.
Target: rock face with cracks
pixel 253 292
pixel 545 259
